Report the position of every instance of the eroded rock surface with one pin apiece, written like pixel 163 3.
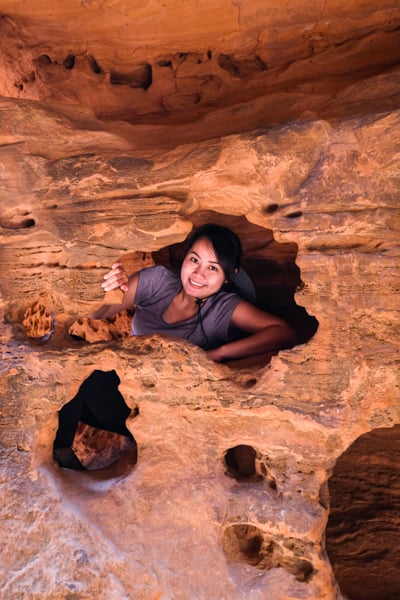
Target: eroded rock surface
pixel 229 497
pixel 362 532
pixel 211 69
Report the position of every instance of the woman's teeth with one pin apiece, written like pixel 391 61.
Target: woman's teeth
pixel 195 283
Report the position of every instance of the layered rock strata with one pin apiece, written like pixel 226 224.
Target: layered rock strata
pixel 197 516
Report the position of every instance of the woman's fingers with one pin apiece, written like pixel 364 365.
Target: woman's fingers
pixel 116 278
pixel 116 268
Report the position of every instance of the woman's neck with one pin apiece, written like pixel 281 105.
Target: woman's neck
pixel 189 301
pixel 182 307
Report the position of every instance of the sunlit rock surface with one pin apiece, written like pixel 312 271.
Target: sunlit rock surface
pixel 109 151
pixel 219 67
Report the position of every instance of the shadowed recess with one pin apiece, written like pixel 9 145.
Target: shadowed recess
pixel 363 531
pixel 270 265
pixel 240 463
pixel 248 543
pixel 92 432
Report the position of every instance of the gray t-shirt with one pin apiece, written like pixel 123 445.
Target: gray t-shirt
pixel 157 287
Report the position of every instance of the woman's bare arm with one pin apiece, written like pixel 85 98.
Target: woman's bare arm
pixel 114 279
pixel 267 333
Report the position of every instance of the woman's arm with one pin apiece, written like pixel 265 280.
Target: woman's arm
pixel 117 278
pixel 267 333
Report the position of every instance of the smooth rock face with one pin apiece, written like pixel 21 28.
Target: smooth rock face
pixel 109 151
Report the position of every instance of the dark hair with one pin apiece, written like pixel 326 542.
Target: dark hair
pixel 226 244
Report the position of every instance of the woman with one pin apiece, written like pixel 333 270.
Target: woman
pixel 193 305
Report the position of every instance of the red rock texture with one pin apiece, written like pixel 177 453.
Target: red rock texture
pixel 122 125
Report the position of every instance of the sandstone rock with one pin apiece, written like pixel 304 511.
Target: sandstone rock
pixel 38 321
pixel 234 67
pixel 117 135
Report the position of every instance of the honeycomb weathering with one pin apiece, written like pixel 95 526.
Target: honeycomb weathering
pixel 119 130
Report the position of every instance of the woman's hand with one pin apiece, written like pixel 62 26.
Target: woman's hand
pixel 116 278
pixel 217 354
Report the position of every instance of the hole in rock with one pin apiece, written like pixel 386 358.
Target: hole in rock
pixel 241 67
pixel 92 432
pixel 243 542
pixel 363 530
pixel 294 215
pixel 17 223
pixel 43 60
pixel 247 543
pixel 69 61
pixel 271 267
pixel 94 65
pixel 240 463
pixel 164 63
pixel 271 208
pixel 25 224
pixel 141 76
pixel 271 278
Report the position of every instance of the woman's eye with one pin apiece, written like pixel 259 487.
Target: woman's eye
pixel 213 268
pixel 194 259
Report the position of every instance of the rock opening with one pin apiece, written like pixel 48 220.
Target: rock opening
pixel 92 432
pixel 243 542
pixel 270 265
pixel 240 463
pixel 247 543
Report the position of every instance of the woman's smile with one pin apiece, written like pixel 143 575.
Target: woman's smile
pixel 201 274
pixel 192 282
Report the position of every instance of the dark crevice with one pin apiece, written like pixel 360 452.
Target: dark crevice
pixel 271 208
pixel 92 433
pixel 241 67
pixel 248 543
pixel 69 61
pixel 240 463
pixel 13 223
pixel 294 215
pixel 140 76
pixel 165 63
pixel 94 65
pixel 43 60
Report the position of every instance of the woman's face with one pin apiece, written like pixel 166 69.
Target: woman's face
pixel 201 273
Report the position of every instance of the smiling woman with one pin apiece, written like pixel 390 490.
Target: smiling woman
pixel 193 304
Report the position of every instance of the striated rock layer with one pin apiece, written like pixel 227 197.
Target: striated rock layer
pixel 123 125
pixel 207 68
pixel 229 497
pixel 363 526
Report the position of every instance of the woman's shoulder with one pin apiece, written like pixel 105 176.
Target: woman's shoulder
pixel 154 281
pixel 157 272
pixel 225 300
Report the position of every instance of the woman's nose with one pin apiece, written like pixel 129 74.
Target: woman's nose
pixel 199 270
